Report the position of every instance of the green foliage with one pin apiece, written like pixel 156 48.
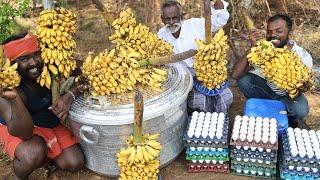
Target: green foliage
pixel 8 11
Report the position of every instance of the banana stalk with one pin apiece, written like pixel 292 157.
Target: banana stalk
pixel 55 89
pixel 138 116
pixel 207 16
pixel 104 11
pixel 168 59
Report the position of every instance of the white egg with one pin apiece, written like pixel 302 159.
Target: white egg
pixel 257 139
pixel 273 139
pixel 294 153
pixel 259 124
pixel 195 113
pixel 211 134
pixel 215 114
pixel 238 118
pixel 253 148
pixel 290 130
pixel 208 114
pixel 199 148
pixel 204 134
pixel 273 121
pixel 258 118
pixel 197 134
pixel 266 119
pixel 304 131
pixel 297 130
pixel 222 114
pixel 251 118
pixel 250 137
pixel 265 139
pixel 235 137
pixel 312 132
pixel 202 113
pixel 243 137
pixel 190 134
pixel 317 154
pixel 245 118
pixel 219 135
pixel 310 154
pixel 302 154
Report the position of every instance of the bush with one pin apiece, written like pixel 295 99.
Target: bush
pixel 8 11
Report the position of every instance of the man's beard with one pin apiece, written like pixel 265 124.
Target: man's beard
pixel 174 27
pixel 281 44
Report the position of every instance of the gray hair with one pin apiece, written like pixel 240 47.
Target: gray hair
pixel 169 3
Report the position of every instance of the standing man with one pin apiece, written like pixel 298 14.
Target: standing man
pixel 181 34
pixel 254 85
pixel 30 128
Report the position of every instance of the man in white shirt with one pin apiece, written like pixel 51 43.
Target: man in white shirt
pixel 253 84
pixel 182 35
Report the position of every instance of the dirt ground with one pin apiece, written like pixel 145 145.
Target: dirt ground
pixel 92 36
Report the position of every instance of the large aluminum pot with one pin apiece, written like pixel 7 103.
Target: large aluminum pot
pixel 105 123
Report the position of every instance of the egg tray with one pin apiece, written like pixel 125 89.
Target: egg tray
pixel 255 158
pixel 208 142
pixel 207 157
pixel 267 145
pixel 258 150
pixel 256 175
pixel 272 153
pixel 224 151
pixel 209 92
pixel 220 168
pixel 296 161
pixel 209 162
pixel 297 175
pixel 254 162
pixel 252 167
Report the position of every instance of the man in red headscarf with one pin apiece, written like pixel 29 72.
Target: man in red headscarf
pixel 30 128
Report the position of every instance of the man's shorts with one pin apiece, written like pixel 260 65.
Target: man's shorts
pixel 57 139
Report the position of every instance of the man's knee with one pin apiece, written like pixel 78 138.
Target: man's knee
pixel 32 152
pixel 244 82
pixel 302 111
pixel 72 159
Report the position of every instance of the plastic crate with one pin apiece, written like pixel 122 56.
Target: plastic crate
pixel 268 108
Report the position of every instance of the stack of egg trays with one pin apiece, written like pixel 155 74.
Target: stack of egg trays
pixel 249 156
pixel 214 160
pixel 262 170
pixel 297 167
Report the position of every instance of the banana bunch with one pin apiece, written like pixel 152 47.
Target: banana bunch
pixel 282 67
pixel 9 77
pixel 128 33
pixel 210 61
pixel 140 161
pixel 118 71
pixel 55 31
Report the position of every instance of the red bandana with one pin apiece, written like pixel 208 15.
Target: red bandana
pixel 21 47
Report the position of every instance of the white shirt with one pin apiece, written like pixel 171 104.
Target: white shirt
pixel 192 29
pixel 302 53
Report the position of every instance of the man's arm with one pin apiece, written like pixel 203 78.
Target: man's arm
pixel 242 66
pixel 16 115
pixel 62 106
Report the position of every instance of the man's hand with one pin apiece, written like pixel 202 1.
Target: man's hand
pixel 9 95
pixel 62 106
pixel 218 4
pixel 254 36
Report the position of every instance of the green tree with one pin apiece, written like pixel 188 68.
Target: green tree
pixel 8 11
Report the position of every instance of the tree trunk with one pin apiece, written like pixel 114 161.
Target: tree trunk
pixel 47 4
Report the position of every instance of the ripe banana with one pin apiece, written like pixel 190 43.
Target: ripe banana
pixel 9 77
pixel 282 67
pixel 210 61
pixel 136 162
pixel 55 31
